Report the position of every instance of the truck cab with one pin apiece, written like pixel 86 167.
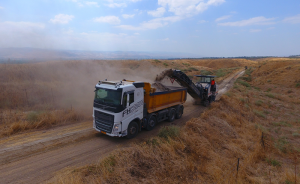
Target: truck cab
pixel 116 105
pixel 123 108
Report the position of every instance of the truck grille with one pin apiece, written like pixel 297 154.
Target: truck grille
pixel 104 122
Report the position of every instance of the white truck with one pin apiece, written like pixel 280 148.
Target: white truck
pixel 123 108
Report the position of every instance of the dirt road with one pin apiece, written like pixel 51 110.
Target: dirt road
pixel 35 157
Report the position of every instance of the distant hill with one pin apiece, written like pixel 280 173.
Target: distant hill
pixel 32 54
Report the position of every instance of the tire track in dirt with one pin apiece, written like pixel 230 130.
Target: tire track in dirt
pixel 42 166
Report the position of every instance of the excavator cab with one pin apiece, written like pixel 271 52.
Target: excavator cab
pixel 208 92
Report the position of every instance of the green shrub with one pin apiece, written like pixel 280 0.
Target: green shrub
pixel 152 142
pixel 157 61
pixel 205 72
pixel 282 123
pixel 244 83
pixel 169 131
pixel 166 64
pixel 297 85
pixel 228 94
pixel 259 102
pixel 193 69
pixel 186 64
pixel 32 116
pixel 273 162
pixel 249 71
pixel 259 113
pixel 281 144
pixel 249 78
pixel 288 182
pixel 296 134
pixel 270 95
pixel 109 163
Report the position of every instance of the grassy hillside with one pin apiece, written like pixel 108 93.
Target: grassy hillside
pixel 257 123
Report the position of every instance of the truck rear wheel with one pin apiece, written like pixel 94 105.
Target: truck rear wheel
pixel 132 130
pixel 179 113
pixel 151 123
pixel 172 115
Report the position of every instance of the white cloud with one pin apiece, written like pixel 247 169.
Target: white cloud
pixel 255 30
pixel 202 21
pixel 166 39
pixel 250 22
pixel 188 7
pixel 181 8
pixel 1 7
pixel 152 24
pixel 293 20
pixel 223 18
pixel 159 12
pixel 117 5
pixel 127 16
pixel 62 19
pixel 90 3
pixel 136 33
pixel 108 19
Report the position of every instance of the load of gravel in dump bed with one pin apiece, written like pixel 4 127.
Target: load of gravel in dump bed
pixel 158 83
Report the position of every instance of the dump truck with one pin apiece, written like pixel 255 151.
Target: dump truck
pixel 123 108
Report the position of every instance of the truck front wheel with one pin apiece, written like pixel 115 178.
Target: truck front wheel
pixel 132 130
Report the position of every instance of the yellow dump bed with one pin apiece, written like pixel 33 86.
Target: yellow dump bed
pixel 156 101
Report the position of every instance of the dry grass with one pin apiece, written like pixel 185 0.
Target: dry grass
pixel 15 122
pixel 206 149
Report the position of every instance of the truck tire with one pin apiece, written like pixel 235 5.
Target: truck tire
pixel 132 130
pixel 179 113
pixel 151 123
pixel 172 115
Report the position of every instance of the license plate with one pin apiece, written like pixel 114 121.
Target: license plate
pixel 103 132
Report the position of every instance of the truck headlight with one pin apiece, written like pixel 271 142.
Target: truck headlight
pixel 116 127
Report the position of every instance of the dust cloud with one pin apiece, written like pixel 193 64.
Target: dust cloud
pixel 65 84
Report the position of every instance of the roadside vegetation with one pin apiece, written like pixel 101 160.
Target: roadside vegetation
pixel 249 127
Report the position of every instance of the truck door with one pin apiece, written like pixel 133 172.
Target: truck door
pixel 129 113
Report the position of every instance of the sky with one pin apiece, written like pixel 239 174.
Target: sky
pixel 206 28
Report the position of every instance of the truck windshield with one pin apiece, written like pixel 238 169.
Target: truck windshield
pixel 108 96
pixel 205 79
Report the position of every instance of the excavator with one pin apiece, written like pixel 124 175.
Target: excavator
pixel 202 91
